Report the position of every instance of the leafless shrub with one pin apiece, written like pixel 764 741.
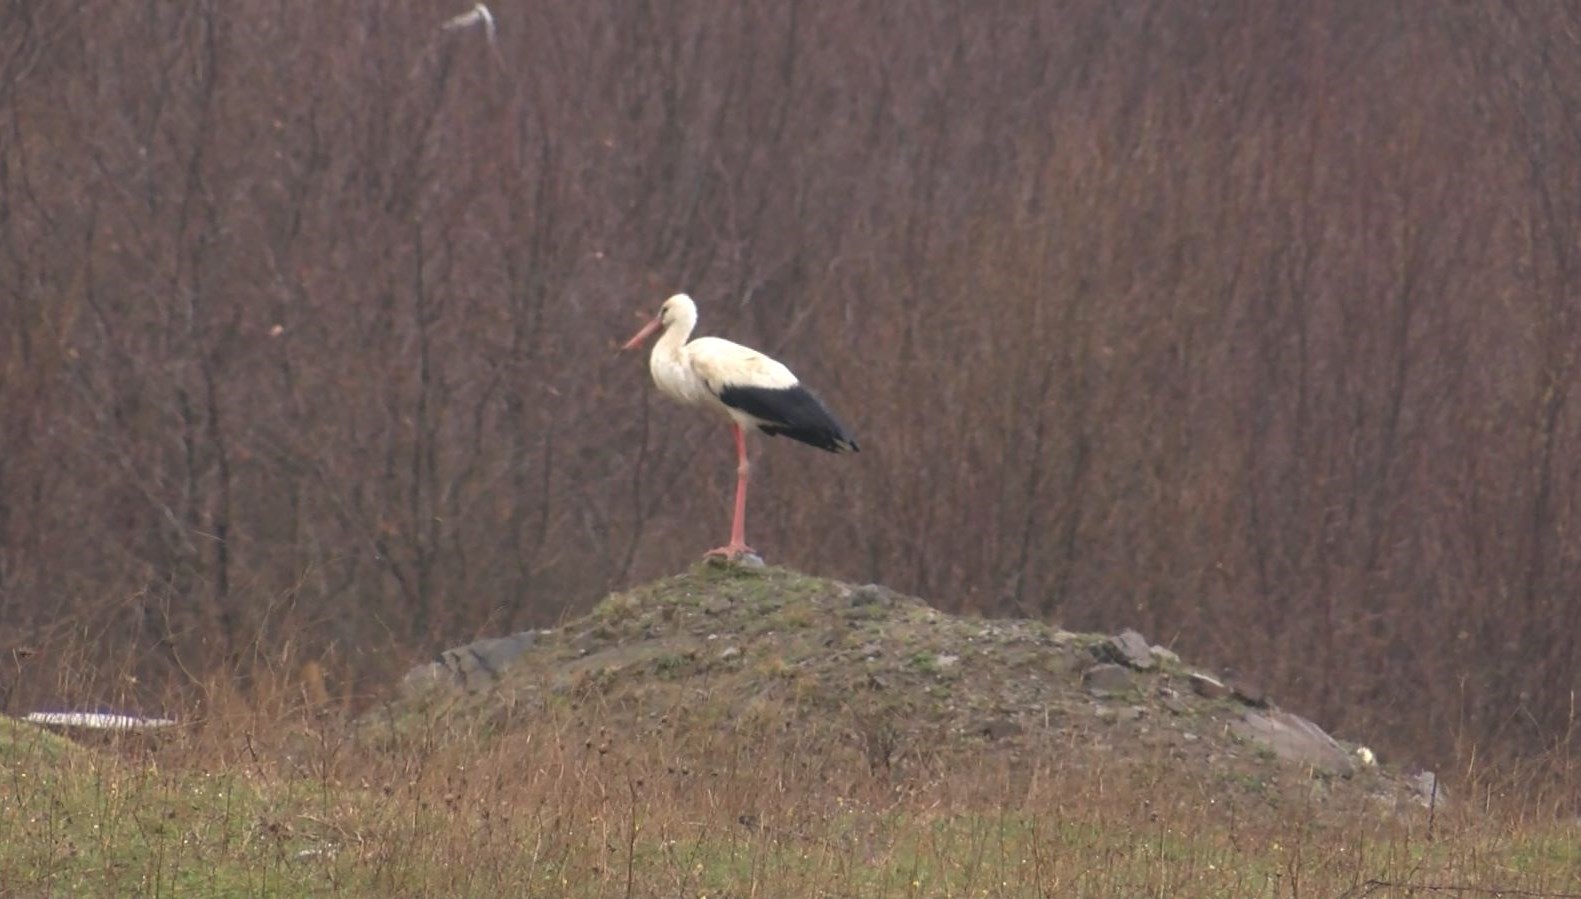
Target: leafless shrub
pixel 1254 328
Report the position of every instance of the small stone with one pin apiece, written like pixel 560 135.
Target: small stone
pixel 1166 655
pixel 745 560
pixel 1207 687
pixel 869 594
pixel 730 652
pixel 1106 679
pixel 1130 648
pixel 871 650
pixel 946 661
pixel 1172 702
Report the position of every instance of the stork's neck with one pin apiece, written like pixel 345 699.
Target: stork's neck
pixel 674 337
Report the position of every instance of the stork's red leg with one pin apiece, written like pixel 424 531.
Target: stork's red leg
pixel 738 526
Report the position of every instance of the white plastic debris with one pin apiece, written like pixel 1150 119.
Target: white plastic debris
pixel 97 720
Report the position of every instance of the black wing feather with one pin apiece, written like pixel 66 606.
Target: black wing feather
pixel 792 412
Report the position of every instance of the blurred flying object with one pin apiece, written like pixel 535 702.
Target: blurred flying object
pixel 471 17
pixel 751 389
pixel 97 720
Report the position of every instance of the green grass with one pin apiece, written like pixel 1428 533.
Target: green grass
pixel 81 822
pixel 549 812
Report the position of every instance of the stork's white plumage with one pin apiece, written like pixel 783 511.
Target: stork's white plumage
pixel 752 390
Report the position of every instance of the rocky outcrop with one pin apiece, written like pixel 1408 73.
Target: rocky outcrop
pixel 1130 649
pixel 1106 679
pixel 474 667
pixel 1294 739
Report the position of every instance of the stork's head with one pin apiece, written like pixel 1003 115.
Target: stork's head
pixel 677 312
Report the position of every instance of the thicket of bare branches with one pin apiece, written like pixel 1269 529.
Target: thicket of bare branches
pixel 1250 325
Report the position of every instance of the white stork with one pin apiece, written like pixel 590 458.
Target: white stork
pixel 751 389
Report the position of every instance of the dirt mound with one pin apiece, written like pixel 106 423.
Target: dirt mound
pixel 861 673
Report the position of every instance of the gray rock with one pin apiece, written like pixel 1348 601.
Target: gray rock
pixel 1427 791
pixel 422 678
pixel 1166 655
pixel 1294 739
pixel 1207 687
pixel 1249 692
pixel 472 668
pixel 1130 648
pixel 749 560
pixel 869 594
pixel 730 652
pixel 1106 679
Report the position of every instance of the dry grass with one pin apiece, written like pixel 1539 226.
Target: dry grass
pixel 265 791
pixel 244 805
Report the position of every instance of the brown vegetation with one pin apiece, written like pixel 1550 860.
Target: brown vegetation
pixel 557 810
pixel 1249 325
pixel 744 732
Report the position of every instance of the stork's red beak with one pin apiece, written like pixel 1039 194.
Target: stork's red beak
pixel 644 334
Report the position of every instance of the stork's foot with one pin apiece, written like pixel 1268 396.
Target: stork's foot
pixel 738 553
